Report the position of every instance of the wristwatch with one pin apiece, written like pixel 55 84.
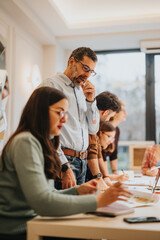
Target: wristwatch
pixel 98 175
pixel 65 167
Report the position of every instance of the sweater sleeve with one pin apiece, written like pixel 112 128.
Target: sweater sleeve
pixel 29 164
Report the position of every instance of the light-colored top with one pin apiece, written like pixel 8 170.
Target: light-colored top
pixel 25 191
pixel 83 116
pixel 149 159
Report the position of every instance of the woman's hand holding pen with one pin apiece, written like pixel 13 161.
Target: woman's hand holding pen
pixel 112 194
pixel 89 187
pixel 123 177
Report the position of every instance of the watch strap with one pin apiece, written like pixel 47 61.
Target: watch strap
pixel 98 175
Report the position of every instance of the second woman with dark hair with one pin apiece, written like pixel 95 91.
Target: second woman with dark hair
pixel 103 140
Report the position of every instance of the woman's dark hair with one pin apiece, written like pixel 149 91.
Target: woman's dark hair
pixel 35 119
pixel 107 127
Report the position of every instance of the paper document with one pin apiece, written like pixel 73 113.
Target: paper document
pixel 142 198
pixel 140 182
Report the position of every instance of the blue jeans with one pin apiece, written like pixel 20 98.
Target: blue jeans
pixel 79 168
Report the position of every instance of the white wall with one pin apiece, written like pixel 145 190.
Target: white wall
pixel 49 59
pixel 27 53
pixel 22 53
pixel 53 60
pixel 61 62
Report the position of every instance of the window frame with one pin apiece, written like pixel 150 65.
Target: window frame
pixel 150 117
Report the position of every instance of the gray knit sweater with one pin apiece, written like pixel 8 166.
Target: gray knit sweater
pixel 25 191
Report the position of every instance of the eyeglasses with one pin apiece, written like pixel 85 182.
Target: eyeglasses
pixel 61 114
pixel 87 68
pixel 109 138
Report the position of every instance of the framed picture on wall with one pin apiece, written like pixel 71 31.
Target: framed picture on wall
pixel 136 154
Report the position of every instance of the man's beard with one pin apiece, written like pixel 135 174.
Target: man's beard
pixel 77 80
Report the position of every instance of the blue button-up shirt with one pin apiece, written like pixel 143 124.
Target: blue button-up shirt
pixel 83 116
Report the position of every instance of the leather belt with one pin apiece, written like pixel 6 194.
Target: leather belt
pixel 72 153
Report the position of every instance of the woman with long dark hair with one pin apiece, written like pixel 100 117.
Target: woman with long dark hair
pixel 29 159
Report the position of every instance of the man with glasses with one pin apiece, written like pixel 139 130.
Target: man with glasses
pixel 83 115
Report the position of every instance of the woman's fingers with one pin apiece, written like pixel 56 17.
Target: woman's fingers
pixel 117 184
pixel 121 199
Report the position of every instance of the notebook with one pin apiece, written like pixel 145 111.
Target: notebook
pixel 113 209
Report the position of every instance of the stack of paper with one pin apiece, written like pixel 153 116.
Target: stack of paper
pixel 140 182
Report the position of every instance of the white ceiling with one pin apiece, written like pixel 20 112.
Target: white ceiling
pixel 90 12
pixel 86 22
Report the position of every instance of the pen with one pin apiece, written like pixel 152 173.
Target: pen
pixel 93 184
pixel 98 191
pixel 122 171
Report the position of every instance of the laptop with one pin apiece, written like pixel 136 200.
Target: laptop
pixel 156 179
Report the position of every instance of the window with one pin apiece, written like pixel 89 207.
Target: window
pixel 157 95
pixel 2 55
pixel 124 75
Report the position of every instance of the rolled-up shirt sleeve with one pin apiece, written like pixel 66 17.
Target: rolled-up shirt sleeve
pixel 93 117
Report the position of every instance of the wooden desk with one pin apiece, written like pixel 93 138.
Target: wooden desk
pixel 94 227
